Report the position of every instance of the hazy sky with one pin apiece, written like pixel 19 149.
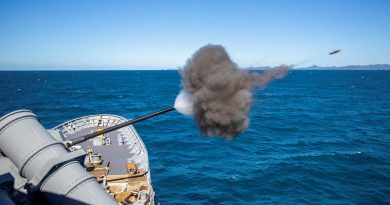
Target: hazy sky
pixel 139 34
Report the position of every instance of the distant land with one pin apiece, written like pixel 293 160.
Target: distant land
pixel 312 67
pixel 349 67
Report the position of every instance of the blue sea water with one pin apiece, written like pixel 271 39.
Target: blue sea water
pixel 316 137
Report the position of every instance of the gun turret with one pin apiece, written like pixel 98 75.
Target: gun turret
pixel 110 129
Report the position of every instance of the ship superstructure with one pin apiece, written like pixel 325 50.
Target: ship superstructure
pixel 96 159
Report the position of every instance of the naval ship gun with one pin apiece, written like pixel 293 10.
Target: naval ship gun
pixel 96 159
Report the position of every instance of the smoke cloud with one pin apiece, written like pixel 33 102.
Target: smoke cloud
pixel 217 93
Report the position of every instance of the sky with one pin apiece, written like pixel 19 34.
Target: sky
pixel 136 34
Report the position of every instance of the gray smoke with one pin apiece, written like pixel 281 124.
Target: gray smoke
pixel 220 91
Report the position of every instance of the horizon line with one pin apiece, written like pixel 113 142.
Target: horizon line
pixel 383 66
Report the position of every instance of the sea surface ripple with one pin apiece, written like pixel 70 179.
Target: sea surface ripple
pixel 316 137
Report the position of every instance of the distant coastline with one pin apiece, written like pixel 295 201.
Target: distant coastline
pixel 349 67
pixel 312 67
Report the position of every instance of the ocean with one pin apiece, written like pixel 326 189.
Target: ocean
pixel 316 137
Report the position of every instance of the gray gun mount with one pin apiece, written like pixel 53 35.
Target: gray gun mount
pixel 44 164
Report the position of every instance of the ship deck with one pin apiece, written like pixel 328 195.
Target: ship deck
pixel 119 149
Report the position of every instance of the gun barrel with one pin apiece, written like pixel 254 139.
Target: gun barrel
pixel 110 129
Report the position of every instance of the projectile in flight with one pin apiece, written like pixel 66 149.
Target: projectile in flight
pixel 334 52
